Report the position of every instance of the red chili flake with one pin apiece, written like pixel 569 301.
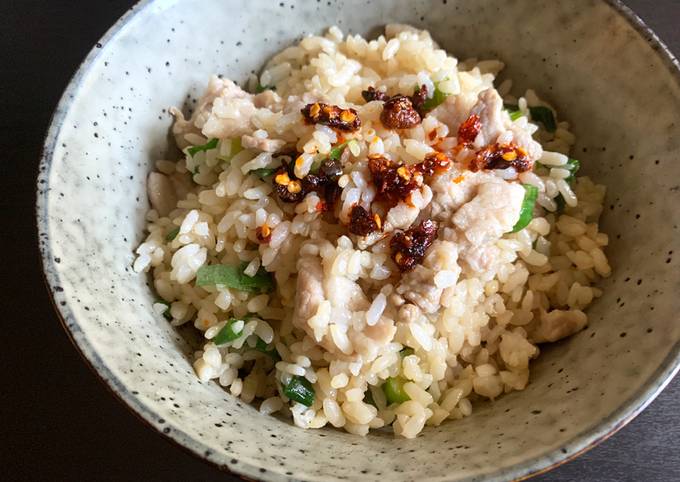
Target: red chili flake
pixel 501 156
pixel 331 115
pixel 263 233
pixel 325 183
pixel 361 221
pixel 371 94
pixel 418 100
pixel 409 247
pixel 435 163
pixel 291 189
pixel 331 193
pixel 288 187
pixel 468 130
pixel 393 181
pixel 399 113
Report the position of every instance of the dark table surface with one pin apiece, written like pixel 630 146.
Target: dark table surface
pixel 58 421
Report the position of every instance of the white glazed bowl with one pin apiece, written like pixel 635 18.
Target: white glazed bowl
pixel 605 71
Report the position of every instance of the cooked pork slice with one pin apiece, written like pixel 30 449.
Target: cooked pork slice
pixel 491 213
pixel 161 193
pixel 309 292
pixel 489 108
pixel 231 112
pixel 419 286
pixel 345 293
pixel 182 183
pixel 269 99
pixel 454 110
pixel 265 145
pixel 455 188
pixel 370 342
pixel 524 140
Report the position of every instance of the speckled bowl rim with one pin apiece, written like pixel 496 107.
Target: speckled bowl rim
pixel 581 443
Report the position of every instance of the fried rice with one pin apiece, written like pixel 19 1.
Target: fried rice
pixel 372 234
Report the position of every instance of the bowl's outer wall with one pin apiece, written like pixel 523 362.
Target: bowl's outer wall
pixel 604 78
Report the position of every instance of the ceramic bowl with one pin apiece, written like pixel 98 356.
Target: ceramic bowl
pixel 607 73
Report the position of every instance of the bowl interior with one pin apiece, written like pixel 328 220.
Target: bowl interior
pixel 622 99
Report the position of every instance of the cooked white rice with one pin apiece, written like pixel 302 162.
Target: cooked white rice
pixel 460 327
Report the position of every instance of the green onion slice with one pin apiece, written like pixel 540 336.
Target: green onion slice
pixel 261 88
pixel 545 116
pixel 394 390
pixel 368 397
pixel 515 114
pixel 526 213
pixel 211 144
pixel 166 313
pixel 438 97
pixel 513 111
pixel 261 346
pixel 404 352
pixel 572 165
pixel 235 147
pixel 231 331
pixel 300 390
pixel 172 234
pixel 263 172
pixel 233 277
pixel 336 152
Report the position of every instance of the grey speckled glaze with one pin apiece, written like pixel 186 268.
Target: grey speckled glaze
pixel 608 75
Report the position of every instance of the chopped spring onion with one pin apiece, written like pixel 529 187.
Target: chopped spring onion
pixel 172 234
pixel 404 352
pixel 515 114
pixel 261 346
pixel 231 331
pixel 513 111
pixel 526 213
pixel 261 88
pixel 211 144
pixel 316 163
pixel 300 390
pixel 545 116
pixel 336 152
pixel 438 97
pixel 572 166
pixel 166 313
pixel 394 390
pixel 368 397
pixel 263 172
pixel 235 147
pixel 233 277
